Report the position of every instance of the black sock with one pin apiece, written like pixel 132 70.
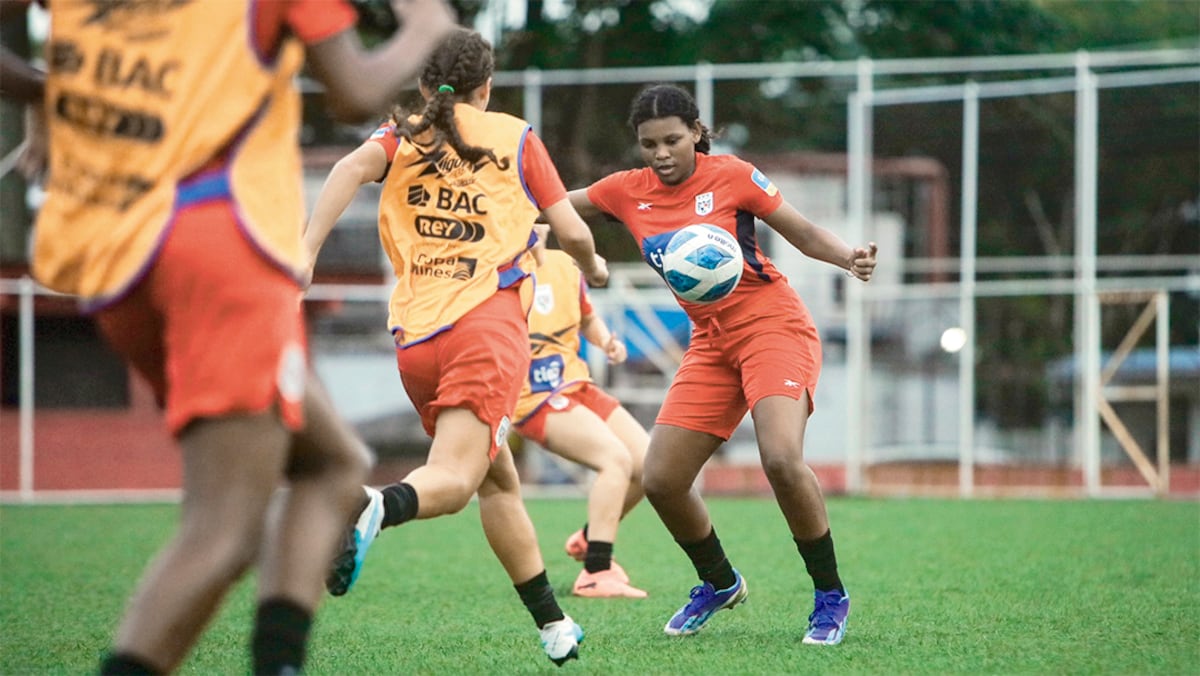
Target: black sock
pixel 538 597
pixel 399 504
pixel 821 562
pixel 124 664
pixel 280 637
pixel 709 559
pixel 599 556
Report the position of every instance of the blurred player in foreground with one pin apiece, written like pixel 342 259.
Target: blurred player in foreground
pixel 174 211
pixel 461 190
pixel 564 411
pixel 755 350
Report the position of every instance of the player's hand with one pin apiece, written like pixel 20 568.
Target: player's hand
pixel 615 349
pixel 542 230
pixel 306 275
pixel 429 16
pixel 598 275
pixel 862 262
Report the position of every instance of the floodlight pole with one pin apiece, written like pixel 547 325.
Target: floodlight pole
pixel 1087 304
pixel 858 194
pixel 966 290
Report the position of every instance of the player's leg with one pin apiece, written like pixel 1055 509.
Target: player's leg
pixel 510 533
pixel 229 367
pixel 636 440
pixel 673 462
pixel 326 469
pixel 779 423
pixel 231 467
pixel 453 470
pixel 780 370
pixel 581 436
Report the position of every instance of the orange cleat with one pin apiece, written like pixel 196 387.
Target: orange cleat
pixel 605 584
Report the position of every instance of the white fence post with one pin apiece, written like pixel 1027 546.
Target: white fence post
pixel 1087 305
pixel 532 98
pixel 26 338
pixel 858 193
pixel 966 290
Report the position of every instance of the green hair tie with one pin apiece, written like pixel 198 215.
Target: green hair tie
pixel 446 88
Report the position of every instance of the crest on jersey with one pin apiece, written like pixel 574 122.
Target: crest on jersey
pixel 543 298
pixel 704 204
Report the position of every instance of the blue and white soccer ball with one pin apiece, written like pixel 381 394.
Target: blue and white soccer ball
pixel 702 263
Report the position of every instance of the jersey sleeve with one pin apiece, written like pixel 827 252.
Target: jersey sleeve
pixel 539 173
pixel 311 21
pixel 756 193
pixel 385 136
pixel 315 20
pixel 605 193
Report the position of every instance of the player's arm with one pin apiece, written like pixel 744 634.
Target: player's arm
pixel 546 188
pixel 595 331
pixel 360 83
pixel 583 204
pixel 365 164
pixel 816 242
pixel 575 238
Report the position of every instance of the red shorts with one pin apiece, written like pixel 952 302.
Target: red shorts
pixel 729 368
pixel 587 395
pixel 215 327
pixel 478 364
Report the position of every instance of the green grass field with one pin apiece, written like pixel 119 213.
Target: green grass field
pixel 938 587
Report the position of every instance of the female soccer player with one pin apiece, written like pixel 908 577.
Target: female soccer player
pixel 174 211
pixel 755 350
pixel 461 190
pixel 564 411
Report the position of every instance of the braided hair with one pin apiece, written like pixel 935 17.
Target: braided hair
pixel 666 100
pixel 460 64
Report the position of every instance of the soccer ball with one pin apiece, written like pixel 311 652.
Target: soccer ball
pixel 702 263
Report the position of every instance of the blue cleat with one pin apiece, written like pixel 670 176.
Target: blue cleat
pixel 348 563
pixel 704 602
pixel 561 640
pixel 827 624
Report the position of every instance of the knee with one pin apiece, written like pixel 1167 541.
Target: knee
pixel 782 465
pixel 455 495
pixel 618 463
pixel 230 549
pixel 659 486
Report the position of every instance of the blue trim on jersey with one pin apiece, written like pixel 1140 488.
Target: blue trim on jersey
pixel 203 188
pixel 521 167
pixel 748 240
pixel 511 276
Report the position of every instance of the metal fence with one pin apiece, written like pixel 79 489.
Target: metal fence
pixel 857 445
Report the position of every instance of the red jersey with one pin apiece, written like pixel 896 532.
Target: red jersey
pixel 723 191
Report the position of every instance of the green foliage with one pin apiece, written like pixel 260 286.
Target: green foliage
pixel 938 587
